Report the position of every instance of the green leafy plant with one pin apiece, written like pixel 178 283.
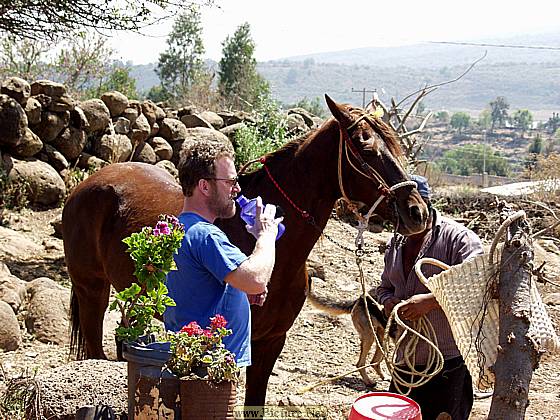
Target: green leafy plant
pixel 14 193
pixel 152 251
pixel 266 134
pixel 199 353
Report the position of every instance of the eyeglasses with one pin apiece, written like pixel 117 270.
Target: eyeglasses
pixel 231 181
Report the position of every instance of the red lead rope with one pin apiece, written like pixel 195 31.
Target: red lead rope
pixel 302 213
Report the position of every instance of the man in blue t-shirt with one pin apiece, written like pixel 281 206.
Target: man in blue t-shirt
pixel 213 276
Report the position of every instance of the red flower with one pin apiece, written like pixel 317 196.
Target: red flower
pixel 208 333
pixel 192 329
pixel 218 321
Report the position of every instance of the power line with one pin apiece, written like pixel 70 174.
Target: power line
pixel 476 44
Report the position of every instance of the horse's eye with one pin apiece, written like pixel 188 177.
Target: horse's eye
pixel 368 144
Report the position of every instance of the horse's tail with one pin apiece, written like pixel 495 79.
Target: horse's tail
pixel 77 340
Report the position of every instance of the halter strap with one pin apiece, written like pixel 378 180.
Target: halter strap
pixel 367 171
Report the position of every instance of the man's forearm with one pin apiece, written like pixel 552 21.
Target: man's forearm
pixel 254 273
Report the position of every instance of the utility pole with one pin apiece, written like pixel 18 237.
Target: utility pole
pixel 363 91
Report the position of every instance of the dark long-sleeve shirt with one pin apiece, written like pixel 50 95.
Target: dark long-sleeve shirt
pixel 449 242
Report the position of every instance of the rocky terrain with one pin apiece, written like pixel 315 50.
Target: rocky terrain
pixel 318 346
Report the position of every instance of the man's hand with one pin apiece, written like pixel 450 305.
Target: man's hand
pixel 418 306
pixel 257 299
pixel 265 223
pixel 389 304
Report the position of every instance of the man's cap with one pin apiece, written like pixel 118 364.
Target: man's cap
pixel 422 185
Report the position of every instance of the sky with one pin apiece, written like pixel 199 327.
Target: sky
pixel 295 27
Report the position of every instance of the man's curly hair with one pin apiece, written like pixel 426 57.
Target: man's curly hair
pixel 198 162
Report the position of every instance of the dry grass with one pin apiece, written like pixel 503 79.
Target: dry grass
pixel 20 397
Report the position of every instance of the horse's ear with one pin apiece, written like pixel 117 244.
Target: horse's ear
pixel 340 112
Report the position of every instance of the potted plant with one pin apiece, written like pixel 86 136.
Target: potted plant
pixel 208 370
pixel 152 251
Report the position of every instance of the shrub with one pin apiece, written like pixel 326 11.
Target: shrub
pixel 14 194
pixel 268 133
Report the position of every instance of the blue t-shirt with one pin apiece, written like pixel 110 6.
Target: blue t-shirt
pixel 204 259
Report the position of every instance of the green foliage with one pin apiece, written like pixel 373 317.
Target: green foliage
pixel 152 251
pixel 158 94
pixel 238 78
pixel 268 133
pixel 82 60
pixel 14 193
pixel 40 20
pixel 460 121
pixel 522 119
pixel 485 119
pixel 553 123
pixel 442 117
pixel 315 106
pixel 200 353
pixel 499 111
pixel 23 58
pixel 536 147
pixel 118 79
pixel 181 65
pixel 470 159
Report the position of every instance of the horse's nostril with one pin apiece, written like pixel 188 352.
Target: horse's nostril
pixel 416 214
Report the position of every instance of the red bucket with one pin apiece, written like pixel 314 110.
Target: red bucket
pixel 384 406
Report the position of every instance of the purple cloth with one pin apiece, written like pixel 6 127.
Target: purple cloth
pixel 449 242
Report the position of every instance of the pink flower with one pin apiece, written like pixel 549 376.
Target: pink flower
pixel 218 321
pixel 162 228
pixel 192 328
pixel 208 333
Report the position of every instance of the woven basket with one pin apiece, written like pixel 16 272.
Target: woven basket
pixel 461 292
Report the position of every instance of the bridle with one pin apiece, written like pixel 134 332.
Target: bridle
pixel 363 168
pixel 367 171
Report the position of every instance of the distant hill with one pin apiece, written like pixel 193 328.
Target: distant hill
pixel 528 78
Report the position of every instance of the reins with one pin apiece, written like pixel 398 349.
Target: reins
pixel 367 171
pixel 364 169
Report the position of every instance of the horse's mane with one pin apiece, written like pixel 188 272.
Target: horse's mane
pixel 288 150
pixel 389 136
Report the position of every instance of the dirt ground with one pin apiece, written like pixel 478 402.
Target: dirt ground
pixel 318 346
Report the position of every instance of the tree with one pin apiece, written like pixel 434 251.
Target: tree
pixel 51 20
pixel 471 159
pixel 315 106
pixel 536 146
pixel 485 119
pixel 23 58
pixel 553 123
pixel 460 121
pixel 158 94
pixel 523 120
pixel 238 77
pixel 498 111
pixel 82 61
pixel 442 117
pixel 118 79
pixel 181 65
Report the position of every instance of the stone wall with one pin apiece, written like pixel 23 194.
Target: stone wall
pixel 44 133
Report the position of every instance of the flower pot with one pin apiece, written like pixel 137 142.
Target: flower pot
pixel 153 391
pixel 201 399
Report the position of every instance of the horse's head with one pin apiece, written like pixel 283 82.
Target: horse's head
pixel 371 170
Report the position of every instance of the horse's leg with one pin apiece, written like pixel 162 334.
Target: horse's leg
pixel 93 298
pixel 264 355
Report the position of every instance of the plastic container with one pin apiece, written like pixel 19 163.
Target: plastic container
pixel 384 406
pixel 249 210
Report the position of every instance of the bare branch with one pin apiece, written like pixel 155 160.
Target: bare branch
pixel 420 128
pixel 437 85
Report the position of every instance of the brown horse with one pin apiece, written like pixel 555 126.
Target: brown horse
pixel 352 154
